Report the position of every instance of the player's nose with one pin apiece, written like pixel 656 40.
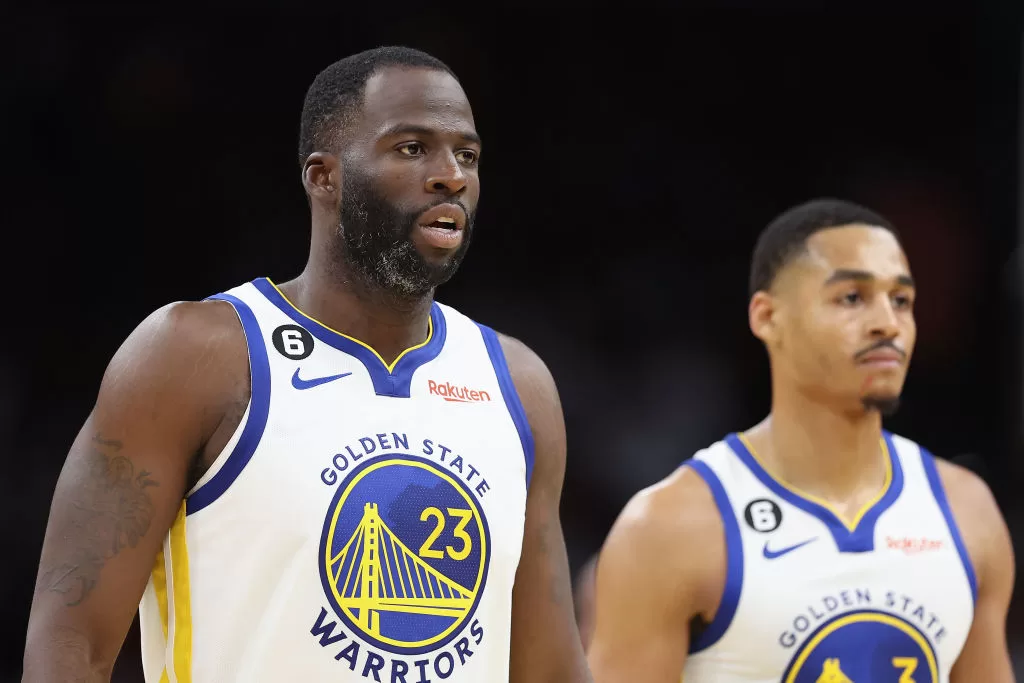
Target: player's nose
pixel 446 176
pixel 883 322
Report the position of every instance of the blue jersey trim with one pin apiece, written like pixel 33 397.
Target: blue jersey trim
pixel 733 559
pixel 939 491
pixel 858 540
pixel 259 409
pixel 395 382
pixel 511 396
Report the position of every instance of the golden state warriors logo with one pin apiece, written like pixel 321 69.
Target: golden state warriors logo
pixel 404 554
pixel 864 647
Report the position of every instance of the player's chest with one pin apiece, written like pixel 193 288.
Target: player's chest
pixel 411 460
pixel 818 613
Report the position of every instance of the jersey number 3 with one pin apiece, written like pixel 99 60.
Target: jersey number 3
pixel 909 665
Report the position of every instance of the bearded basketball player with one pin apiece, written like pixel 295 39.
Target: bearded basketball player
pixel 334 478
pixel 814 547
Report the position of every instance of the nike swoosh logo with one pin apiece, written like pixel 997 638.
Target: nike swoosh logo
pixel 301 384
pixel 772 554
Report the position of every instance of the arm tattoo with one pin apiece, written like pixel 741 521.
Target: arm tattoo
pixel 112 511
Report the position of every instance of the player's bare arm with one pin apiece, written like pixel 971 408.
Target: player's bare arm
pixel 166 394
pixel 662 564
pixel 985 656
pixel 545 641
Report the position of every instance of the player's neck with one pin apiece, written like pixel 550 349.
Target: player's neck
pixel 820 450
pixel 388 324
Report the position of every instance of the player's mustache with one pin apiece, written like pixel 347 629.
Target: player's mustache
pixel 883 344
pixel 447 200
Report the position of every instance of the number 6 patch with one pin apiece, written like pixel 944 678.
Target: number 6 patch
pixel 293 341
pixel 763 515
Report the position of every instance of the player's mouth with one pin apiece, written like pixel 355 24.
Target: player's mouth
pixel 883 358
pixel 442 226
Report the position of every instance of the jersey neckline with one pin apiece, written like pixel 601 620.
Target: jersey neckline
pixel 855 537
pixel 388 380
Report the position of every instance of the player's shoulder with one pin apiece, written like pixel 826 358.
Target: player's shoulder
pixel 981 525
pixel 183 328
pixel 962 487
pixel 533 389
pixel 531 377
pixel 670 536
pixel 209 316
pixel 529 372
pixel 189 343
pixel 525 364
pixel 677 512
pixel 975 512
pixel 973 505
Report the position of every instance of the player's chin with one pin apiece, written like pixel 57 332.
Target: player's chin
pixel 881 390
pixel 439 269
pixel 441 259
pixel 885 403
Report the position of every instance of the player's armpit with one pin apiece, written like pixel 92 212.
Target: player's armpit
pixel 122 485
pixel 656 573
pixel 985 656
pixel 546 645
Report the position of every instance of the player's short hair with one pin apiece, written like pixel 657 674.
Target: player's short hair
pixel 337 91
pixel 786 237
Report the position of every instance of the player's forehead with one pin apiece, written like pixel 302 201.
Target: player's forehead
pixel 416 97
pixel 856 248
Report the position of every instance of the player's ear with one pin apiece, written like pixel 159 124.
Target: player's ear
pixel 761 317
pixel 321 176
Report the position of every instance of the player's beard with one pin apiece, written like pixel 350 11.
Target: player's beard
pixel 377 241
pixel 886 405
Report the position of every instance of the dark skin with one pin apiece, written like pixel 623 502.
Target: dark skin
pixel 177 388
pixel 664 562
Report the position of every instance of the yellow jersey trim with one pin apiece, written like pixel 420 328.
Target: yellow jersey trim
pixel 160 588
pixel 182 602
pixel 851 525
pixel 390 367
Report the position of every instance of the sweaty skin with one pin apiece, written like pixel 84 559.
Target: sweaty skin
pixel 177 388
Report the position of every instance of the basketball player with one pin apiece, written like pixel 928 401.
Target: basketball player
pixel 333 478
pixel 814 547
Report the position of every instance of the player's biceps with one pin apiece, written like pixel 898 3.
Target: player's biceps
pixel 610 667
pixel 621 659
pixel 108 509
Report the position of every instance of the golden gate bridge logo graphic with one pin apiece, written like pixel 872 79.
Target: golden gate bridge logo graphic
pixel 866 645
pixel 373 587
pixel 404 596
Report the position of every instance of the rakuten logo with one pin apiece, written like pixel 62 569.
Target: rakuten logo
pixel 450 392
pixel 912 546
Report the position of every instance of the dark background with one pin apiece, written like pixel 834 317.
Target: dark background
pixel 631 157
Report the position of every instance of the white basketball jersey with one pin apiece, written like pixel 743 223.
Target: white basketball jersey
pixel 364 522
pixel 809 599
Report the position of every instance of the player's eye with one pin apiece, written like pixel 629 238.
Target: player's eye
pixel 467 157
pixel 410 149
pixel 902 301
pixel 851 299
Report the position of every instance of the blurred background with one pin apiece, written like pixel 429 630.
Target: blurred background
pixel 631 158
